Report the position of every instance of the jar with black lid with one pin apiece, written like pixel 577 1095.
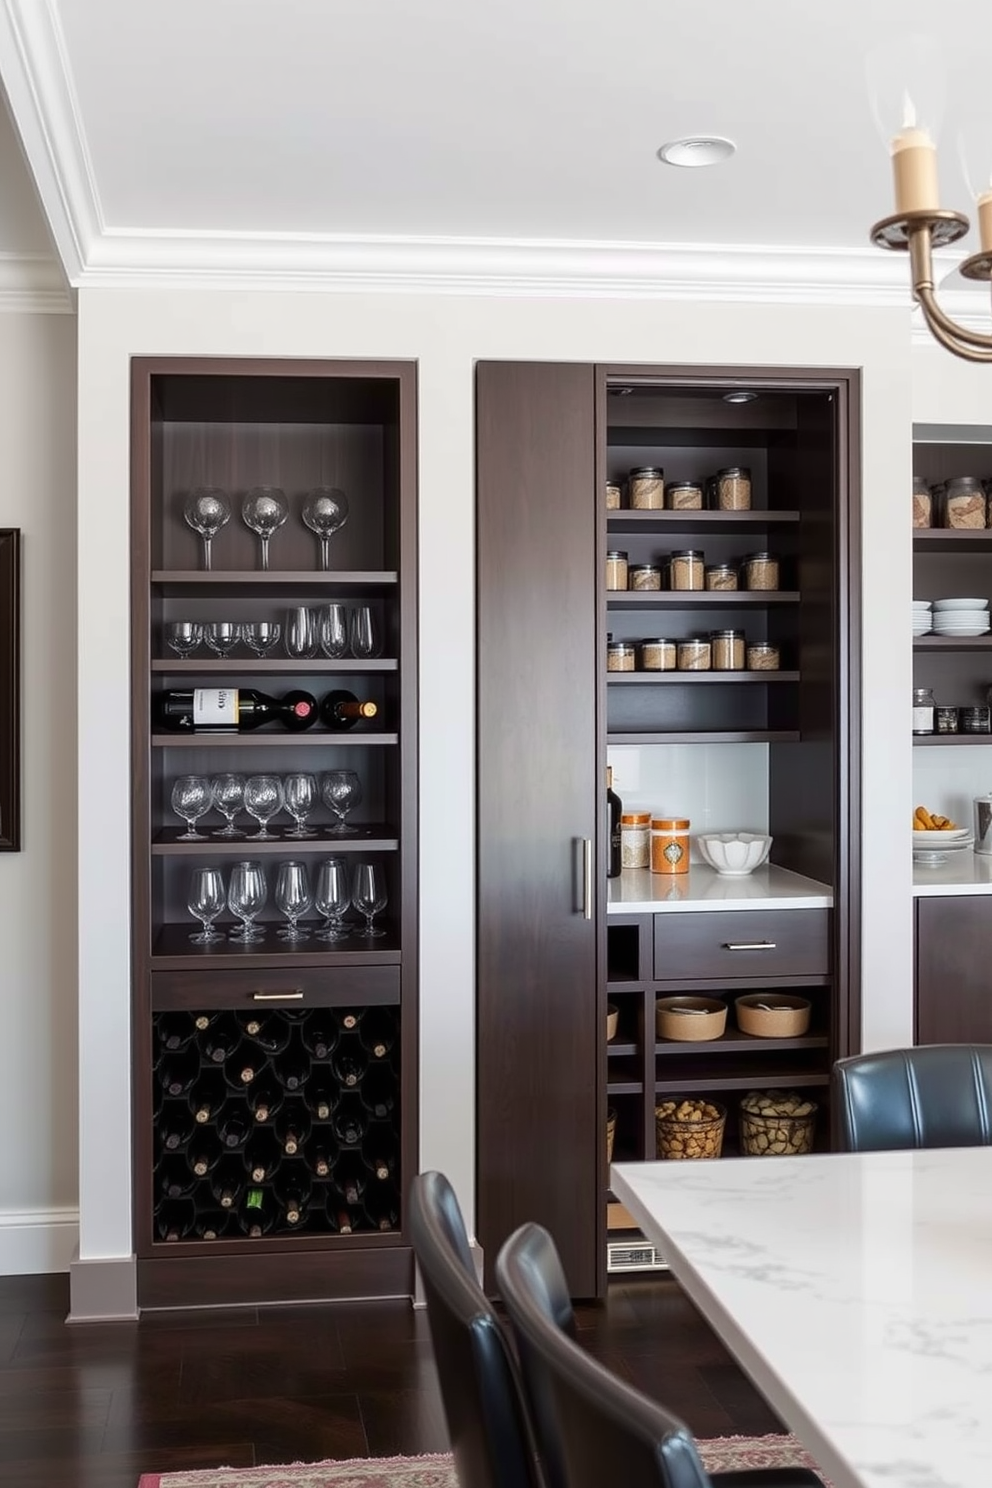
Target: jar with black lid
pixel 922 503
pixel 684 496
pixel 727 649
pixel 685 570
pixel 646 488
pixel 643 576
pixel 964 503
pixel 733 488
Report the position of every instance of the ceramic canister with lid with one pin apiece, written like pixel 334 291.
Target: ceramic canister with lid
pixel 669 844
pixel 635 839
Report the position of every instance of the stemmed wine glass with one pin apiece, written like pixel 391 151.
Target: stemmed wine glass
pixel 342 792
pixel 222 635
pixel 293 898
pixel 300 797
pixel 263 799
pixel 264 510
pixel 332 897
pixel 332 630
pixel 366 640
pixel 183 636
pixel 191 799
pixel 369 896
pixel 207 510
pixel 229 799
pixel 325 510
pixel 205 902
pixel 246 895
pixel 261 635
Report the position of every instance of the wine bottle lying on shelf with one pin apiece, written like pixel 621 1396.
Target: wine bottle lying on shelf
pixel 342 710
pixel 232 710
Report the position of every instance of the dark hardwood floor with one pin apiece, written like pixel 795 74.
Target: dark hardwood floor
pixel 95 1405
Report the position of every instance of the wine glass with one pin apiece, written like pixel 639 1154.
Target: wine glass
pixel 261 635
pixel 366 640
pixel 264 510
pixel 222 635
pixel 300 797
pixel 206 900
pixel 293 898
pixel 246 895
pixel 342 792
pixel 332 897
pixel 229 799
pixel 207 510
pixel 263 799
pixel 300 633
pixel 325 510
pixel 183 636
pixel 369 896
pixel 191 799
pixel 332 630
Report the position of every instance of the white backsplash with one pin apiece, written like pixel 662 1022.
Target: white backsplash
pixel 948 780
pixel 719 787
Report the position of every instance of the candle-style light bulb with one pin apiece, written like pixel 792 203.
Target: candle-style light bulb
pixel 905 81
pixel 975 155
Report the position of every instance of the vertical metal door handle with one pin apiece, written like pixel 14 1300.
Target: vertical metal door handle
pixel 587 877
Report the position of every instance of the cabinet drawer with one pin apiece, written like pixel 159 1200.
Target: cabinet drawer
pixel 742 943
pixel 334 986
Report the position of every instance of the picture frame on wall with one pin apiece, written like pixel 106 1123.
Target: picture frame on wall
pixel 10 690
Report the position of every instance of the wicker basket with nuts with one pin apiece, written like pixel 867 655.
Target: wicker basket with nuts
pixel 778 1124
pixel 689 1129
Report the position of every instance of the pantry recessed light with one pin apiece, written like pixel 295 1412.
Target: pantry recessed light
pixel 742 396
pixel 697 150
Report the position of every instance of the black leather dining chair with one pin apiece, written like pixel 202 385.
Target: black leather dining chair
pixel 490 1433
pixel 934 1095
pixel 591 1427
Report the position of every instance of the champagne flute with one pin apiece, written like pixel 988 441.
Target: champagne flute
pixel 191 799
pixel 369 896
pixel 325 510
pixel 205 902
pixel 264 510
pixel 342 792
pixel 183 636
pixel 246 895
pixel 300 795
pixel 263 799
pixel 293 898
pixel 366 640
pixel 332 630
pixel 207 510
pixel 229 798
pixel 332 897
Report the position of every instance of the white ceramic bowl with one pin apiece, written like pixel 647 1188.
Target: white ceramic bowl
pixel 734 854
pixel 960 604
pixel 922 604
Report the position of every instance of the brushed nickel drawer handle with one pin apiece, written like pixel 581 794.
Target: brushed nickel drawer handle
pixel 587 877
pixel 750 945
pixel 278 996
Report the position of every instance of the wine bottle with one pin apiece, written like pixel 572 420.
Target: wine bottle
pixel 204 1153
pixel 175 1179
pixel 614 806
pixel 342 710
pixel 258 1213
pixel 240 1065
pixel 343 1222
pixel 207 1095
pixel 262 1156
pixel 264 1099
pixel 210 1224
pixel 351 1017
pixel 377 1032
pixel 220 1039
pixel 378 1092
pixel 233 1129
pixel 383 1162
pixel 319 1159
pixel 233 710
pixel 271 1033
pixel 291 1069
pixel 174 1031
pixel 348 1064
pixel 380 1206
pixel 321 1097
pixel 227 1182
pixel 351 1175
pixel 174 1219
pixel 349 1123
pixel 175 1127
pixel 292 1193
pixel 176 1072
pixel 292 1128
pixel 319 1037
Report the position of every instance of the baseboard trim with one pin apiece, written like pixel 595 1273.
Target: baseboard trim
pixel 37 1242
pixel 104 1291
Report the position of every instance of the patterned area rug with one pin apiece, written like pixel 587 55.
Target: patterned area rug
pixel 719 1453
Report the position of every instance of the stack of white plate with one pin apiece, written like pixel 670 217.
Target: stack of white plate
pixel 922 617
pixel 930 849
pixel 960 617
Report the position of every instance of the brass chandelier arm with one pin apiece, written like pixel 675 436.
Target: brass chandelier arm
pixel 973 346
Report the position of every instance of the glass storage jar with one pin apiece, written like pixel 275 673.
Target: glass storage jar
pixel 646 488
pixel 964 503
pixel 721 576
pixel 733 488
pixel 643 576
pixel 612 496
pixel 760 571
pixel 658 655
pixel 695 654
pixel 669 844
pixel 616 570
pixel 924 708
pixel 762 656
pixel 635 839
pixel 684 496
pixel 922 503
pixel 685 571
pixel 620 656
pixel 946 719
pixel 728 650
pixel 974 720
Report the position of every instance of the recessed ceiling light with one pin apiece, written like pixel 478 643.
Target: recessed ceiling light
pixel 739 397
pixel 697 150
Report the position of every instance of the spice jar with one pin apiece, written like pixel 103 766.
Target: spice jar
pixel 964 503
pixel 658 656
pixel 923 710
pixel 685 570
pixel 669 844
pixel 721 576
pixel 946 719
pixel 644 576
pixel 922 503
pixel 635 839
pixel 762 656
pixel 974 720
pixel 694 655
pixel 760 571
pixel 612 496
pixel 733 488
pixel 684 496
pixel 616 570
pixel 728 650
pixel 620 656
pixel 646 488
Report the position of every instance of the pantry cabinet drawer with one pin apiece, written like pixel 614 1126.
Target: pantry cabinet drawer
pixel 742 943
pixel 335 986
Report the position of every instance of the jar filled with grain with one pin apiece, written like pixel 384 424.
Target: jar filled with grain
pixel 728 650
pixel 643 576
pixel 612 496
pixel 669 844
pixel 922 503
pixel 616 570
pixel 646 488
pixel 694 654
pixel 733 488
pixel 684 496
pixel 964 503
pixel 685 571
pixel 659 655
pixel 762 656
pixel 721 576
pixel 635 839
pixel 760 571
pixel 621 656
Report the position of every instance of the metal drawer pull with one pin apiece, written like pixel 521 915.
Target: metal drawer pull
pixel 587 877
pixel 278 996
pixel 750 945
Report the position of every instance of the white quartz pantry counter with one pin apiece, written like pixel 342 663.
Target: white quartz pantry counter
pixel 962 873
pixel 639 891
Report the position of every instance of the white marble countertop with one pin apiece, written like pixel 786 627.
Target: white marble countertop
pixel 963 872
pixel 639 891
pixel 855 1289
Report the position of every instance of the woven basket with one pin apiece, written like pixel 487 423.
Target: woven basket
pixel 776 1136
pixel 611 1129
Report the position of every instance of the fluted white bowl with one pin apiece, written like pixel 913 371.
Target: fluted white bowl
pixel 734 854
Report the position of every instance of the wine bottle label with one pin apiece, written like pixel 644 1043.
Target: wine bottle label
pixel 215 707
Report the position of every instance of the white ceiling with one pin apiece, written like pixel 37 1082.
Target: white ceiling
pixel 304 135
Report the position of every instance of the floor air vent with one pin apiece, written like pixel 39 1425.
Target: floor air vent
pixel 633 1254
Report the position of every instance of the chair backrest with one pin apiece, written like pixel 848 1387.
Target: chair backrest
pixel 591 1427
pixel 935 1095
pixel 480 1386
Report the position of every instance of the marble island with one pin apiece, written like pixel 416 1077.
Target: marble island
pixel 639 891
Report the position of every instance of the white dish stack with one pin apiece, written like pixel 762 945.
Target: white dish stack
pixel 922 617
pixel 959 617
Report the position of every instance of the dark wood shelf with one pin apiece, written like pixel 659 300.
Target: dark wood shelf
pixel 777 1077
pixel 691 521
pixel 624 1087
pixel 678 599
pixel 654 679
pixel 371 837
pixel 281 739
pixel 252 581
pixel 710 736
pixel 924 740
pixel 615 1049
pixel 948 540
pixel 735 1042
pixel 232 666
pixel 952 643
pixel 172 951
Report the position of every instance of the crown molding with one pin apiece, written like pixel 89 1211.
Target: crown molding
pixel 33 282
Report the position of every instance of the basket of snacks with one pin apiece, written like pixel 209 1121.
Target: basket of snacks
pixel 612 1019
pixel 773 1014
pixel 690 1019
pixel 689 1129
pixel 611 1131
pixel 777 1123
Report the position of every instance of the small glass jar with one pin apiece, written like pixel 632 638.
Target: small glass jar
pixel 721 576
pixel 685 571
pixel 612 496
pixel 922 503
pixel 646 488
pixel 659 655
pixel 974 720
pixel 643 576
pixel 684 496
pixel 728 650
pixel 669 844
pixel 946 719
pixel 762 656
pixel 694 654
pixel 924 708
pixel 964 503
pixel 616 570
pixel 620 657
pixel 760 571
pixel 635 839
pixel 733 488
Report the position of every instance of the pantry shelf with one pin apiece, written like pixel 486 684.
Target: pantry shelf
pixel 626 599
pixel 657 679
